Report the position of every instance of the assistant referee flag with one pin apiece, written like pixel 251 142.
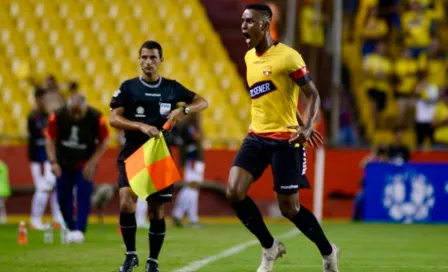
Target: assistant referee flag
pixel 151 168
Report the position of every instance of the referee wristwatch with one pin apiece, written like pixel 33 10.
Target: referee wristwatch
pixel 186 110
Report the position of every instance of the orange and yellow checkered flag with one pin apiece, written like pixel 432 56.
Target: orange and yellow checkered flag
pixel 151 168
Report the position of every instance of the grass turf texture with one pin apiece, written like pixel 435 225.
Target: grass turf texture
pixel 365 247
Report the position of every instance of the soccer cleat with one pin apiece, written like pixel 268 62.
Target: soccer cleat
pixel 37 224
pixel 152 266
pixel 270 255
pixel 130 263
pixel 75 237
pixel 331 262
pixel 177 222
pixel 195 225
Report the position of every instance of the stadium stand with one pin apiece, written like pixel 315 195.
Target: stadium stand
pixel 96 43
pixel 396 40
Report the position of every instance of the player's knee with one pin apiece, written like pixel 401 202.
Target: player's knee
pixel 127 203
pixel 289 211
pixel 156 211
pixel 234 195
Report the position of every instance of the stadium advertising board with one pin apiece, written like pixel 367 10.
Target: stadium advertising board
pixel 411 193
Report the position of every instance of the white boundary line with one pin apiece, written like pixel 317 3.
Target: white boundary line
pixel 196 265
pixel 370 266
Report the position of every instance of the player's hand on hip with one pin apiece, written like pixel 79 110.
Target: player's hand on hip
pixel 316 139
pixel 151 131
pixel 56 170
pixel 89 170
pixel 301 135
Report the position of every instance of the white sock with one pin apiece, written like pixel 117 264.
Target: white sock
pixel 55 209
pixel 141 212
pixel 181 204
pixel 38 205
pixel 193 197
pixel 3 219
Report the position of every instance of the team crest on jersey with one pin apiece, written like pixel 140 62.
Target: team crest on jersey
pixel 116 93
pixel 261 88
pixel 165 109
pixel 267 70
pixel 140 112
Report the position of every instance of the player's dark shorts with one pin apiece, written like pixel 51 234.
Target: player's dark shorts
pixel 164 195
pixel 288 162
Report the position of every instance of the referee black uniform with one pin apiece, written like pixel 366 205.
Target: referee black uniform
pixel 149 103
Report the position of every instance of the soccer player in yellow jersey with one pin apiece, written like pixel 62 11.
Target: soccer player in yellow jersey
pixel 276 137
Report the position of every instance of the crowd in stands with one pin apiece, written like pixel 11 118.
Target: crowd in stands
pixel 405 67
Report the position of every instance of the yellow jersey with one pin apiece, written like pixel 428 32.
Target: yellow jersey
pixel 406 71
pixel 378 70
pixel 417 29
pixel 441 113
pixel 274 79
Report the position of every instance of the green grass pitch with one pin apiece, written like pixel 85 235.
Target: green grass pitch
pixel 365 247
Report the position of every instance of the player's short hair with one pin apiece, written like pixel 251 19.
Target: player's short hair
pixel 263 9
pixel 39 92
pixel 151 45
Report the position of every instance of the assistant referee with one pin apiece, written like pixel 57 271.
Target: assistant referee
pixel 140 107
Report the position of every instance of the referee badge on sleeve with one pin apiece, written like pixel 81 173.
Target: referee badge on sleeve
pixel 165 109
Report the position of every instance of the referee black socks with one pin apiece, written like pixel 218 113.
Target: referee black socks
pixel 307 223
pixel 156 236
pixel 251 217
pixel 128 227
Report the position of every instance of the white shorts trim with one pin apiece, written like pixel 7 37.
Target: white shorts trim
pixel 194 171
pixel 43 179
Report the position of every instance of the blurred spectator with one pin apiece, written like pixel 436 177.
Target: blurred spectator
pixel 389 9
pixel 350 8
pixel 378 154
pixel 73 88
pixel 377 71
pixel 441 121
pixel 44 181
pixel 406 69
pixel 192 157
pixel 312 36
pixel 398 153
pixel 311 25
pixel 5 191
pixel 54 99
pixel 347 131
pixel 428 95
pixel 435 63
pixel 417 28
pixel 374 30
pixel 77 137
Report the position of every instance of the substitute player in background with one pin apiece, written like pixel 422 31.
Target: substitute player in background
pixel 274 73
pixel 189 135
pixel 140 107
pixel 44 180
pixel 77 137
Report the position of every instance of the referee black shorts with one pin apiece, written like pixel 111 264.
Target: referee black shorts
pixel 288 162
pixel 165 195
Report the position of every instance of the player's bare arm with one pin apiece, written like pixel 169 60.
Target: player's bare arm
pixel 306 131
pixel 51 153
pixel 90 167
pixel 316 139
pixel 118 121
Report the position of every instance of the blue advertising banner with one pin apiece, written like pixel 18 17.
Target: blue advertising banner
pixel 409 193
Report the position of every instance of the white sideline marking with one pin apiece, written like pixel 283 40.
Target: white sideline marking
pixel 370 266
pixel 195 265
